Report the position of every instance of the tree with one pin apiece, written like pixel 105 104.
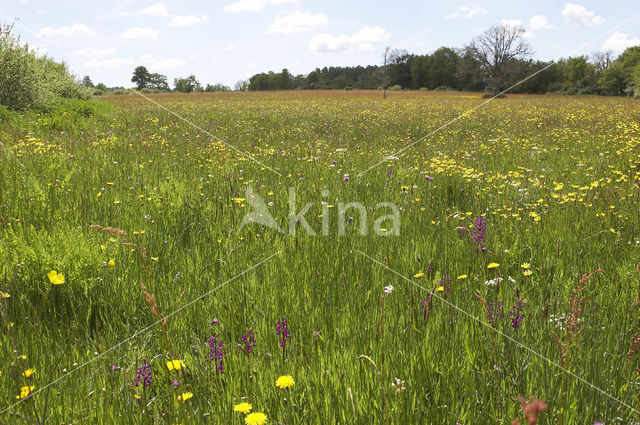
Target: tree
pixel 241 85
pixel 187 85
pixel 216 87
pixel 86 81
pixel 141 77
pixel 613 82
pixel 158 81
pixel 384 74
pixel 497 49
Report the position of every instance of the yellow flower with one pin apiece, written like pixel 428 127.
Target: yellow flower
pixel 24 392
pixel 5 295
pixel 242 408
pixel 418 275
pixel 462 277
pixel 525 266
pixel 111 263
pixel 527 272
pixel 285 381
pixel 55 277
pixel 404 188
pixel 175 365
pixel 493 265
pixel 185 396
pixel 256 418
pixel 27 373
pixel 440 289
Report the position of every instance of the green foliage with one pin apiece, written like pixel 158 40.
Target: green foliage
pixel 29 81
pixel 186 85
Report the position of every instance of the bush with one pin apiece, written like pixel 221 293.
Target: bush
pixel 29 81
pixel 396 87
pixel 442 88
pixel 348 88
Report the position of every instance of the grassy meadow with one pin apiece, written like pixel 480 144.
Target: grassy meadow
pixel 502 213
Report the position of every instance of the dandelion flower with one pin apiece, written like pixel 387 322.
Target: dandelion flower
pixel 493 265
pixel 111 263
pixel 462 277
pixel 256 418
pixel 418 275
pixel 28 373
pixel 243 408
pixel 175 365
pixel 55 277
pixel 285 381
pixel 440 289
pixel 185 396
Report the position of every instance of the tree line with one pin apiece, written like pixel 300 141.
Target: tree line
pixel 493 61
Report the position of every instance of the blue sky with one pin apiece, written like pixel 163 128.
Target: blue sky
pixel 225 41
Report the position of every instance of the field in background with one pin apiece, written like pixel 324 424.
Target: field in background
pixel 555 178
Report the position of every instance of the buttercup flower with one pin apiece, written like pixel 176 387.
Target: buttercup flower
pixel 493 265
pixel 462 277
pixel 55 277
pixel 175 365
pixel 24 392
pixel 285 381
pixel 111 263
pixel 28 373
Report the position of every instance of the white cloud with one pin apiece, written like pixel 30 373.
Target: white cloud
pixel 92 52
pixel 134 33
pixel 619 41
pixel 511 22
pixel 466 12
pixel 185 21
pixel 362 40
pixel 160 62
pixel 297 22
pixel 539 22
pixel 76 30
pixel 158 9
pixel 323 43
pixel 253 5
pixel 579 15
pixel 106 62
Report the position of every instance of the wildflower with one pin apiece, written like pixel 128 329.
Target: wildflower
pixel 388 289
pixel 249 341
pixel 418 275
pixel 175 365
pixel 27 373
pixel 5 294
pixel 185 396
pixel 242 408
pixel 525 266
pixel 144 375
pixel 479 227
pixel 111 263
pixel 214 321
pixel 428 177
pixel 425 305
pixel 55 277
pixel 527 272
pixel 346 178
pixel 176 384
pixel 398 385
pixel 283 331
pixel 462 277
pixel 517 316
pixel 494 312
pixel 440 289
pixel 24 392
pixel 493 265
pixel 216 353
pixel 285 381
pixel 404 188
pixel 256 418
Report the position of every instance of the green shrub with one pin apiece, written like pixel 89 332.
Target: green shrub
pixel 396 87
pixel 29 81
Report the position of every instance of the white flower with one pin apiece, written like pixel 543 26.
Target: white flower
pixel 388 289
